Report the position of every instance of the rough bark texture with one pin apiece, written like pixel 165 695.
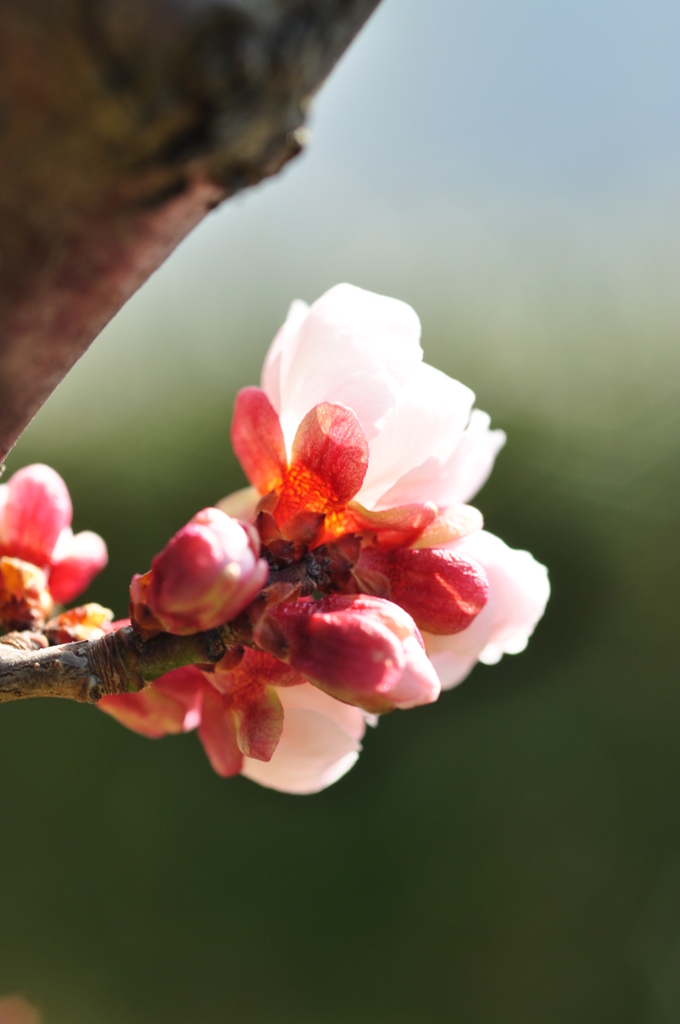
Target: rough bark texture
pixel 126 662
pixel 122 123
pixel 116 663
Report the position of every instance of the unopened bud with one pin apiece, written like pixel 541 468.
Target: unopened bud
pixel 361 650
pixel 205 576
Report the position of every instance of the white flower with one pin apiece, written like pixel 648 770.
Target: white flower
pixel 363 351
pixel 426 444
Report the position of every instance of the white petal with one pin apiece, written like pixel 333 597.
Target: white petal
pixel 309 698
pixel 451 668
pixel 518 593
pixel 354 348
pixel 319 744
pixel 426 422
pixel 286 339
pixel 456 479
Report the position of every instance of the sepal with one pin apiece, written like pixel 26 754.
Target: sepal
pixel 442 591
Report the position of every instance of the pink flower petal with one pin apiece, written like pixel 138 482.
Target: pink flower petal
pixel 37 508
pixel 451 668
pixel 457 478
pixel 77 560
pixel 426 421
pixel 353 348
pixel 257 440
pixel 285 340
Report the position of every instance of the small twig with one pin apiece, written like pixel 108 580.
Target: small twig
pixel 116 663
pixel 122 662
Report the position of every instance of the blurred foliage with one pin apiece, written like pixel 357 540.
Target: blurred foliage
pixel 509 854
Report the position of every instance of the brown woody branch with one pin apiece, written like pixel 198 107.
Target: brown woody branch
pixel 122 123
pixel 116 663
pixel 123 662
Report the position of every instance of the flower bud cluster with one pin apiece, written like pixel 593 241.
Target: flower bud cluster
pixel 352 578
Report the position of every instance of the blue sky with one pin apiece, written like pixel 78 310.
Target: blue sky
pixel 509 169
pixel 530 95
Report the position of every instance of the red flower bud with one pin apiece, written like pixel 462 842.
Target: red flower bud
pixel 360 650
pixel 441 590
pixel 205 575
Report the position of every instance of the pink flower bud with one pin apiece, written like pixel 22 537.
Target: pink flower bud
pixel 443 591
pixel 35 508
pixel 361 650
pixel 206 575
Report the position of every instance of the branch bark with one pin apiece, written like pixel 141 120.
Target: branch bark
pixel 122 123
pixel 116 663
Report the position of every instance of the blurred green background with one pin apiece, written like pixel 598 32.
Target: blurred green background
pixel 511 854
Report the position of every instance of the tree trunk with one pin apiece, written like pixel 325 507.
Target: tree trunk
pixel 122 123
